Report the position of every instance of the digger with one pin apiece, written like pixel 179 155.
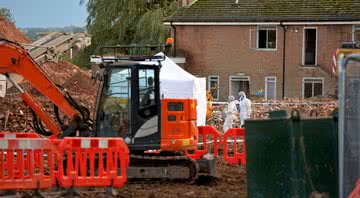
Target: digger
pixel 157 130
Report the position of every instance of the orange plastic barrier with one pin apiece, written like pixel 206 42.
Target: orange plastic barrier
pixel 233 136
pixel 205 132
pixel 237 157
pixel 8 135
pixel 26 163
pixel 356 192
pixel 92 162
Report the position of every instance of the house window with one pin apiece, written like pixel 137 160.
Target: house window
pixel 309 46
pixel 356 33
pixel 270 88
pixel 313 87
pixel 237 84
pixel 213 86
pixel 266 38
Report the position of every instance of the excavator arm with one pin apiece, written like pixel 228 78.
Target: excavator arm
pixel 15 59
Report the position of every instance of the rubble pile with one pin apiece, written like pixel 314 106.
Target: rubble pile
pixel 82 88
pixel 322 107
pixel 314 107
pixel 77 82
pixel 16 116
pixel 59 72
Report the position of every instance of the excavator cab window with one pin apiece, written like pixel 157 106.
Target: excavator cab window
pixel 116 104
pixel 146 92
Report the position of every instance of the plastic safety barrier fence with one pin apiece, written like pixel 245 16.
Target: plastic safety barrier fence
pixel 92 162
pixel 206 133
pixel 26 163
pixel 237 157
pixel 8 135
pixel 231 153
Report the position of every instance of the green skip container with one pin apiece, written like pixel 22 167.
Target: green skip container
pixel 291 157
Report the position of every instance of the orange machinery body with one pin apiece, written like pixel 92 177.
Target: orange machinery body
pixel 178 127
pixel 15 59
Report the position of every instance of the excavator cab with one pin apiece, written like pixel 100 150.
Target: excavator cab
pixel 129 101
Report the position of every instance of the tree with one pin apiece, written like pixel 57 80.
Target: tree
pixel 120 22
pixel 5 13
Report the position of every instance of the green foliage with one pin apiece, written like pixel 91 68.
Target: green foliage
pixel 82 59
pixel 123 22
pixel 5 13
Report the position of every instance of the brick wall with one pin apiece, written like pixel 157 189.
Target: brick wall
pixel 231 50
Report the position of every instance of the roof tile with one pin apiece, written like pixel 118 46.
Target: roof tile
pixel 9 31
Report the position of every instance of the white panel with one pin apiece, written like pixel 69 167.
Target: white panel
pixel 148 128
pixel 103 144
pixel 85 143
pixel 26 144
pixel 8 136
pixel 2 86
pixel 4 144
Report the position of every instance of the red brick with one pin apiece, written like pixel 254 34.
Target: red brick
pixel 225 51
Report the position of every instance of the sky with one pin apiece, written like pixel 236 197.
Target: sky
pixel 46 13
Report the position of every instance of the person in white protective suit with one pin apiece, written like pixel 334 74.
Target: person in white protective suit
pixel 230 113
pixel 245 108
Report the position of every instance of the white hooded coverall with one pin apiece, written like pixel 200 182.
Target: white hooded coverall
pixel 230 113
pixel 245 109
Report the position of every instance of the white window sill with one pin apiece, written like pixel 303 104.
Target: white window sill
pixel 309 66
pixel 266 49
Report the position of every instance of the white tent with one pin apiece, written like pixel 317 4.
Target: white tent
pixel 175 82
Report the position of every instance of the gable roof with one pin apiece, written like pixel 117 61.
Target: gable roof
pixel 268 11
pixel 9 31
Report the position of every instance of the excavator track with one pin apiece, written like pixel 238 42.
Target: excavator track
pixel 157 167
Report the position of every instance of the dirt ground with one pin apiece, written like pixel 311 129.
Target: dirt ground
pixel 229 184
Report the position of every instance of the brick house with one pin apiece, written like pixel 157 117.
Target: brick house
pixel 239 44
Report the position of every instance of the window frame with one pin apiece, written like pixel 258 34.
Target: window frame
pixel 267 80
pixel 139 88
pixel 354 28
pixel 312 78
pixel 316 46
pixel 241 78
pixel 266 28
pixel 209 86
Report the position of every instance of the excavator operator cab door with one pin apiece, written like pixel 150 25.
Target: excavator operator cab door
pixel 129 105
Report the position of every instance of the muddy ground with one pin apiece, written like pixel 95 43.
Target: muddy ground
pixel 229 184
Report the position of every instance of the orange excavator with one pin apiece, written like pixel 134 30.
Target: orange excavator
pixel 129 105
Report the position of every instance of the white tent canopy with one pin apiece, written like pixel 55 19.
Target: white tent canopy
pixel 175 82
